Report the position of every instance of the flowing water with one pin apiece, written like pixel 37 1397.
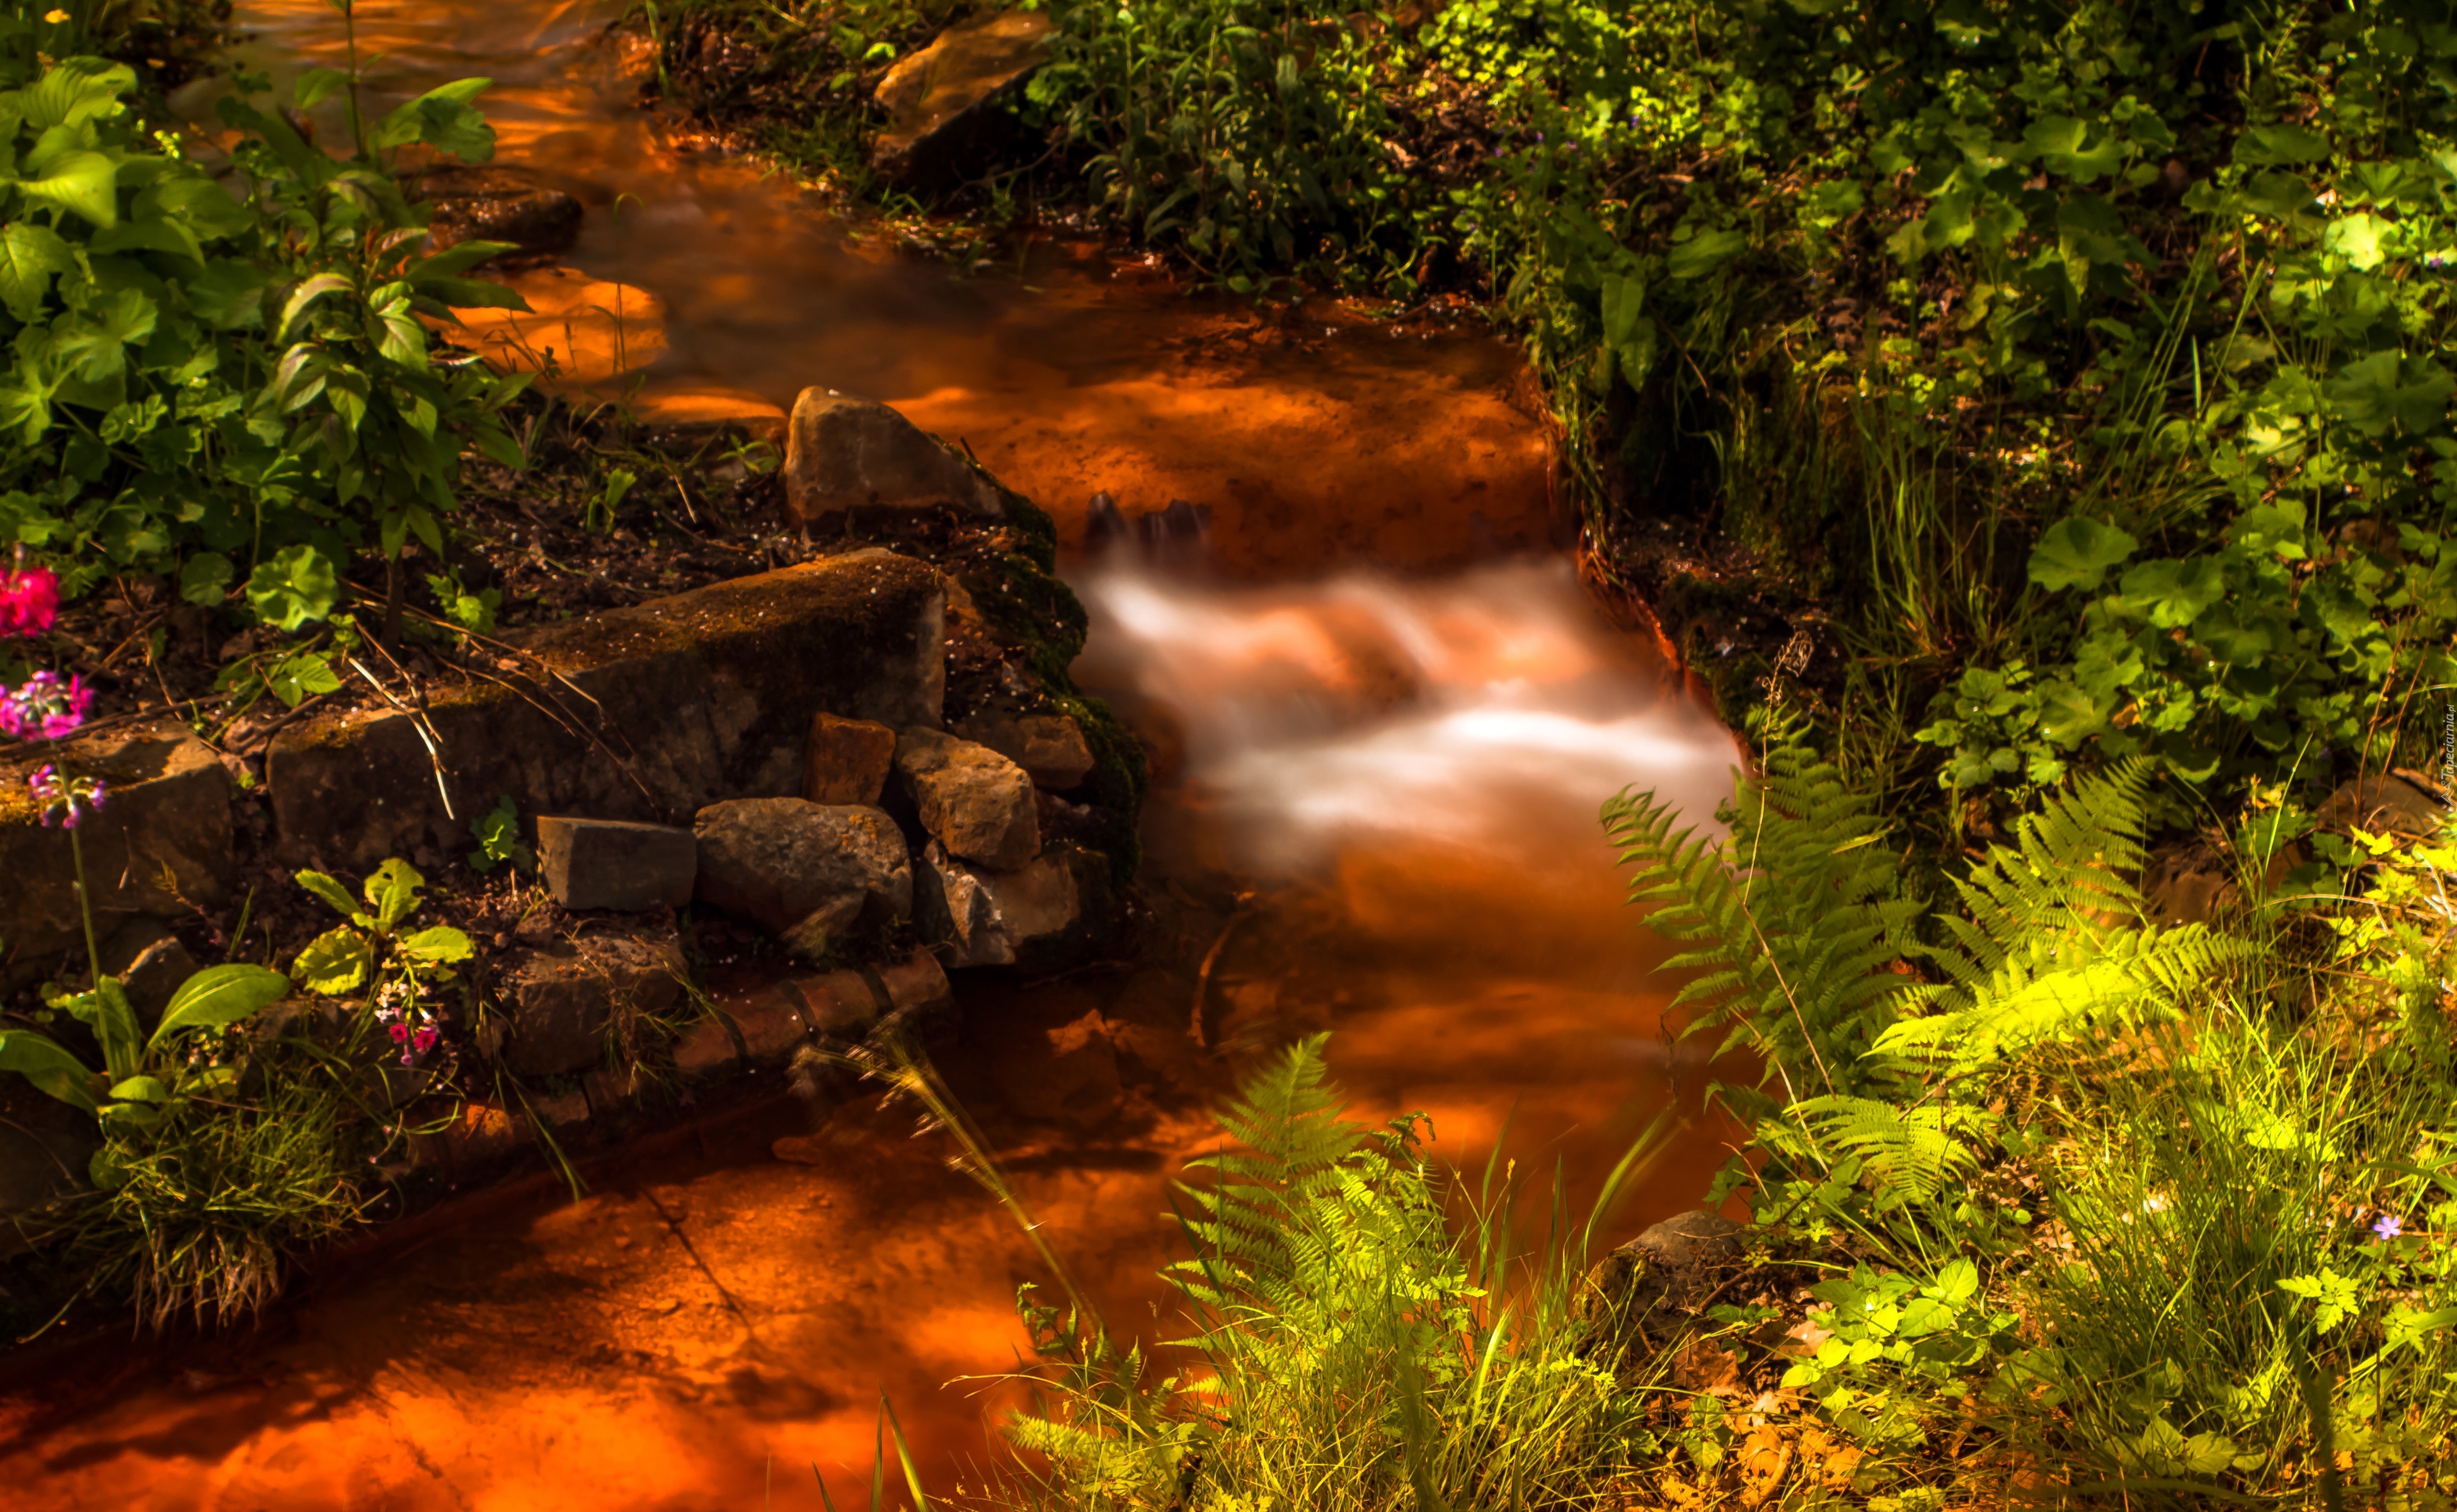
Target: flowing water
pixel 1382 715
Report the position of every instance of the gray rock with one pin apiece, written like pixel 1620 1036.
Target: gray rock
pixel 1046 913
pixel 616 863
pixel 804 871
pixel 2188 882
pixel 160 845
pixel 648 714
pixel 942 102
pixel 977 803
pixel 843 453
pixel 567 999
pixel 150 962
pixel 2399 803
pixel 846 760
pixel 1655 1283
pixel 1050 748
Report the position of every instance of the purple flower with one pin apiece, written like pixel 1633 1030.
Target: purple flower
pixel 2388 1226
pixel 66 798
pixel 30 600
pixel 44 708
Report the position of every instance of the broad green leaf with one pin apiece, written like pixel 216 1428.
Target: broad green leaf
pixel 335 962
pixel 315 85
pixel 2357 238
pixel 83 182
pixel 301 675
pixel 218 996
pixel 472 294
pixel 203 206
pixel 329 888
pixel 2381 390
pixel 2077 553
pixel 304 298
pixel 1704 253
pixel 30 255
pixel 2172 594
pixel 76 90
pixel 142 1089
pixel 52 1070
pixel 455 260
pixel 103 1169
pixel 392 891
pixel 440 944
pixel 205 578
pixel 444 119
pixel 113 1017
pixel 293 587
pixel 2276 146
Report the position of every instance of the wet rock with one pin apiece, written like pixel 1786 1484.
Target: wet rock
pixel 1067 1075
pixel 846 760
pixel 150 962
pixel 159 846
pixel 499 204
pixel 974 801
pixel 706 1049
pixel 1050 748
pixel 616 863
pixel 2401 804
pixel 567 998
pixel 804 871
pixel 481 1136
pixel 917 987
pixel 844 454
pixel 943 102
pixel 648 714
pixel 566 1111
pixel 1049 914
pixel 1652 1285
pixel 770 1022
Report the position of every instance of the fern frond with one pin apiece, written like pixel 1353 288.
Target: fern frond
pixel 1914 1151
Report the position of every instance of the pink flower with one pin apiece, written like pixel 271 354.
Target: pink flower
pixel 44 708
pixel 424 1038
pixel 399 1033
pixel 30 600
pixel 67 798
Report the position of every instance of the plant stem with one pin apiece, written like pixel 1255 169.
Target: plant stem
pixel 85 908
pixel 392 602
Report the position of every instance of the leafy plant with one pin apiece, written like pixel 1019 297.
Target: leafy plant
pixel 350 955
pixel 498 831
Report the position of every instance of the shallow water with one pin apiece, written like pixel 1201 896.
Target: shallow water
pixel 1382 718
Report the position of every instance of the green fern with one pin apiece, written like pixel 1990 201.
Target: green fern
pixel 1790 921
pixel 1910 1152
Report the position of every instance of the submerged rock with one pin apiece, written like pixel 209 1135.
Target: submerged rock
pixel 974 801
pixel 943 102
pixel 804 871
pixel 844 454
pixel 1066 1074
pixel 499 204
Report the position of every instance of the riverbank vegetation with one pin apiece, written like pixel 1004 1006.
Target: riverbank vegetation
pixel 2033 420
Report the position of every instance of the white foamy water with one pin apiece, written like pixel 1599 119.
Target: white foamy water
pixel 1492 709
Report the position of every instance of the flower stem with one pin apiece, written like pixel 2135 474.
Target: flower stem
pixel 85 908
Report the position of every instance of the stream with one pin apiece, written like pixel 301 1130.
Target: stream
pixel 1383 713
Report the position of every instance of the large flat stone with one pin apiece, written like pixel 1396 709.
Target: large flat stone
pixel 942 102
pixel 616 863
pixel 844 454
pixel 565 997
pixel 804 871
pixel 160 843
pixel 650 714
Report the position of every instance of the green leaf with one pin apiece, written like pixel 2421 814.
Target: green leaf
pixel 2172 594
pixel 2077 553
pixel 142 1089
pixel 301 675
pixel 329 889
pixel 392 891
pixel 315 85
pixel 29 254
pixel 335 962
pixel 2276 146
pixel 1704 253
pixel 444 119
pixel 76 90
pixel 218 996
pixel 205 578
pixel 2383 391
pixel 304 298
pixel 438 944
pixel 83 182
pixel 293 587
pixel 51 1070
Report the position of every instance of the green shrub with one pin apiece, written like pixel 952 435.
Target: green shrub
pixel 203 379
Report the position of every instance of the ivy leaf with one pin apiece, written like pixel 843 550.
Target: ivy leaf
pixel 30 255
pixel 2078 552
